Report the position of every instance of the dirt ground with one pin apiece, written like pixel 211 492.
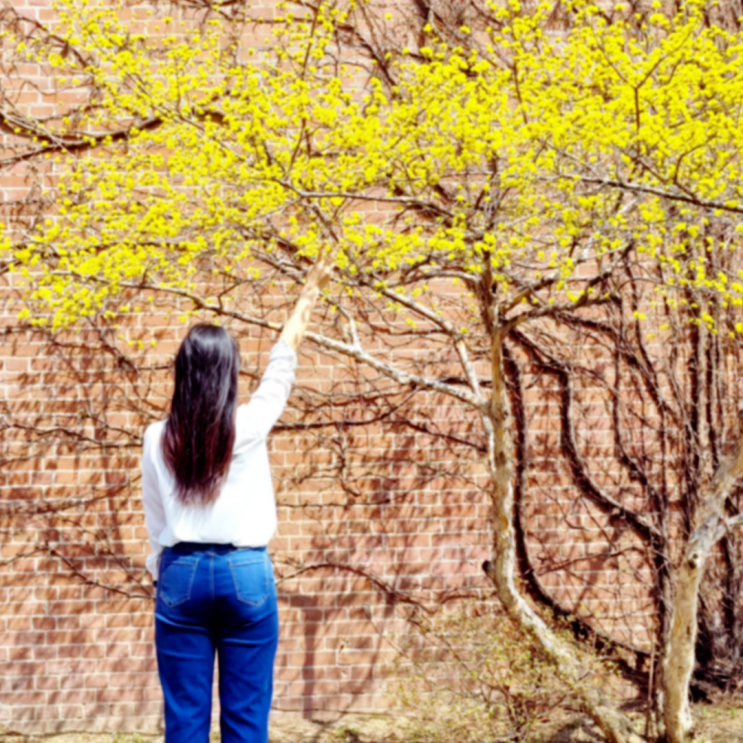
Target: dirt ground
pixel 715 724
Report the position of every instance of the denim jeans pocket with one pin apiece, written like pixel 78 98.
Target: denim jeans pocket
pixel 252 576
pixel 176 579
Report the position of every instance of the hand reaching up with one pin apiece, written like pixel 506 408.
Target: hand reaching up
pixel 317 278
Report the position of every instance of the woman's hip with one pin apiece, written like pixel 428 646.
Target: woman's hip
pixel 206 582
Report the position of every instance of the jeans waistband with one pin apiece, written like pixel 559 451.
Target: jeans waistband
pixel 220 549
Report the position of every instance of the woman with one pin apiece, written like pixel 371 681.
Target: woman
pixel 210 512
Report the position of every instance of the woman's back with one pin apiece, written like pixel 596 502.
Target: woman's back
pixel 244 513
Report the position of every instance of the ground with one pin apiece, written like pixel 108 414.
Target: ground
pixel 721 723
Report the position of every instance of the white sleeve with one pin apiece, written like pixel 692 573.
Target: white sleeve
pixel 258 417
pixel 154 512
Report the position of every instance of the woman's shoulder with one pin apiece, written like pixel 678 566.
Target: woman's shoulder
pixel 242 417
pixel 153 433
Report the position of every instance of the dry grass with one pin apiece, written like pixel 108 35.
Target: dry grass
pixel 350 729
pixel 721 723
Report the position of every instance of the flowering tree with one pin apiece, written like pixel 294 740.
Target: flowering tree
pixel 483 172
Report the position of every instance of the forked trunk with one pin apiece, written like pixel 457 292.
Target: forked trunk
pixel 501 568
pixel 679 653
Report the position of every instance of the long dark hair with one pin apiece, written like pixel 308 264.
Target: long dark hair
pixel 200 432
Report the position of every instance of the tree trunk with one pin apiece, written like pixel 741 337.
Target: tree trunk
pixel 501 568
pixel 678 660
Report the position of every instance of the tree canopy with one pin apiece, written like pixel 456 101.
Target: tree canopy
pixel 538 155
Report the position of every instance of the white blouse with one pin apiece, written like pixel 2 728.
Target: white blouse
pixel 244 514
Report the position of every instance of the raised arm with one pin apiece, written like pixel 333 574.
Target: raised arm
pixel 267 402
pixel 296 326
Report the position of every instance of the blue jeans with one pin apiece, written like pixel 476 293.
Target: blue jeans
pixel 214 598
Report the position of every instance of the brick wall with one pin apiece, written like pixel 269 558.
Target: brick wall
pixel 383 508
pixel 352 560
pixel 373 519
